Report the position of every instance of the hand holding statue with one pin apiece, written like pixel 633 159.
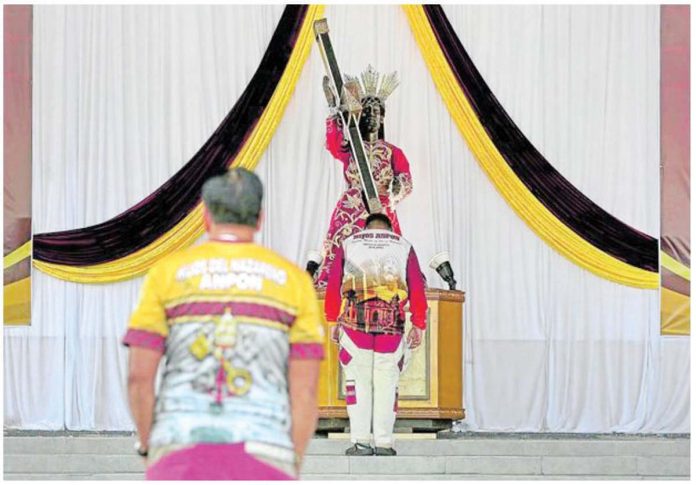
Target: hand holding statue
pixel 415 337
pixel 335 332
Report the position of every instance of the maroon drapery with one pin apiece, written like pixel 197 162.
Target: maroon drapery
pixel 558 195
pixel 163 209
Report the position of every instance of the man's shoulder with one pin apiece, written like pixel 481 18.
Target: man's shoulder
pixel 299 287
pixel 272 257
pixel 405 241
pixel 374 234
pixel 171 260
pixel 252 251
pixel 253 254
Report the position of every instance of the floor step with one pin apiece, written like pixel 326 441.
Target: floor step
pixel 408 447
pixel 75 477
pixel 111 457
pixel 313 477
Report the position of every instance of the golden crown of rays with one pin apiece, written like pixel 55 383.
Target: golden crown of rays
pixel 373 84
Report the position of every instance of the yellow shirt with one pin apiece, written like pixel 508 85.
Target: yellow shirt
pixel 228 316
pixel 205 281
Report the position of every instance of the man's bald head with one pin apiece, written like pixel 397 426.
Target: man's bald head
pixel 234 198
pixel 378 221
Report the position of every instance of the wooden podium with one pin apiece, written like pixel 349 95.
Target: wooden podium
pixel 431 387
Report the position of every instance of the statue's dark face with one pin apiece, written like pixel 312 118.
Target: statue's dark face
pixel 371 117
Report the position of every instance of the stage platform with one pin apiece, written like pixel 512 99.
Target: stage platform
pixel 109 456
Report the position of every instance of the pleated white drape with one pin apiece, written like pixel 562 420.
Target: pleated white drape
pixel 123 97
pixel 548 347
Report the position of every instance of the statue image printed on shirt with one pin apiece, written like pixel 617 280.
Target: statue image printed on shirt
pixel 374 286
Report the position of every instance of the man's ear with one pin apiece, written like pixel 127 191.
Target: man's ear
pixel 207 219
pixel 259 221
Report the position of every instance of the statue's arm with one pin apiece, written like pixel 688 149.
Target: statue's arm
pixel 402 185
pixel 335 143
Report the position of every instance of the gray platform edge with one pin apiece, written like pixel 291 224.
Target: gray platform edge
pixel 71 455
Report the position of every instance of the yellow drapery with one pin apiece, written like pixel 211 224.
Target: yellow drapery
pixel 675 310
pixel 553 231
pixel 17 302
pixel 189 229
pixel 675 266
pixel 22 252
pixel 17 295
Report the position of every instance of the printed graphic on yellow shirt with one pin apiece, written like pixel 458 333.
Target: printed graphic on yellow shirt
pixel 228 317
pixel 227 306
pixel 217 341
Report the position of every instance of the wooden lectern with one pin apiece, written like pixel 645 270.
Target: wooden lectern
pixel 431 387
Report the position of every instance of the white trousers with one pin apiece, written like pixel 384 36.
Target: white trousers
pixel 372 365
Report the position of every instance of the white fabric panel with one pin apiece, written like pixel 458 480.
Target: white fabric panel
pixel 548 347
pixel 582 82
pixel 123 97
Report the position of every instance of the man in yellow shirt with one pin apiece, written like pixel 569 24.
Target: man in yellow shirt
pixel 241 333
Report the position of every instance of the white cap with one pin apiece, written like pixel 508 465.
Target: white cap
pixel 438 259
pixel 315 256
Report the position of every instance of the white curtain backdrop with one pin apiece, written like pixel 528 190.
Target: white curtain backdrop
pixel 548 346
pixel 123 97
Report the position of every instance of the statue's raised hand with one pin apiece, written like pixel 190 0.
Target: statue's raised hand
pixel 328 92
